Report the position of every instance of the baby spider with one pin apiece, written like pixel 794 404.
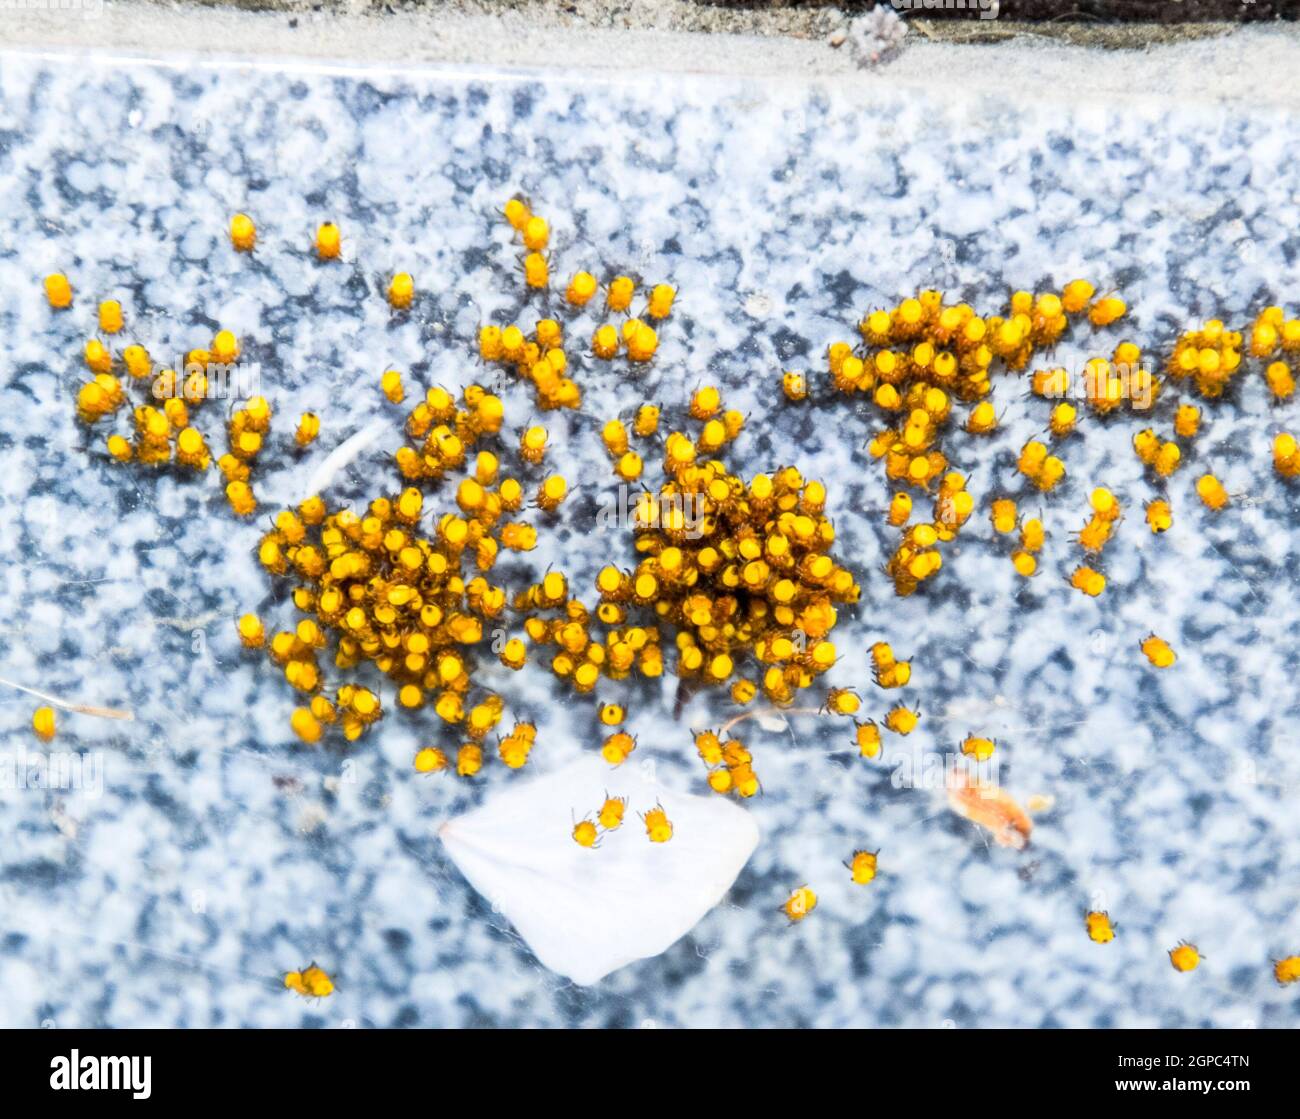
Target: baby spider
pixel 1099 927
pixel 311 982
pixel 585 833
pixel 660 302
pixel 328 241
pixel 1286 970
pixel 866 736
pixel 862 866
pixel 1185 957
pixel 618 296
pixel 842 701
pixel 611 812
pixel 617 747
pixel 709 746
pixel 1157 651
pixel 1159 515
pixel 799 904
pixel 658 828
pixel 902 719
pixel 794 385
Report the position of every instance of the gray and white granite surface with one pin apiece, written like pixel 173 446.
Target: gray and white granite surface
pixel 216 852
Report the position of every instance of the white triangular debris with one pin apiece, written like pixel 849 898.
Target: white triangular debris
pixel 585 912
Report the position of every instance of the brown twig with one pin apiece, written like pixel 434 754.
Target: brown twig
pixel 770 711
pixel 79 708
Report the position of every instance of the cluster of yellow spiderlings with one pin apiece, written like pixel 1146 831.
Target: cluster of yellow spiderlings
pixel 1044 469
pixel 441 435
pixel 1106 386
pixel 609 817
pixel 163 432
pixel 887 670
pixel 917 556
pixel 924 343
pixel 394 597
pixel 391 596
pixel 889 673
pixel 737 568
pixel 540 357
pixel 729 763
pixel 513 750
pixel 1162 456
pixel 731 566
pixel 295 653
pixel 587 833
pixel 580 659
pixel 1005 517
pixel 1184 956
pixel 246 432
pixel 751 573
pixel 311 982
pixel 399 599
pixel 1209 357
pixel 917 358
pixel 760 574
pixel 1093 537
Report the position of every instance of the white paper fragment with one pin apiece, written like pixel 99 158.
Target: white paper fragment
pixel 586 912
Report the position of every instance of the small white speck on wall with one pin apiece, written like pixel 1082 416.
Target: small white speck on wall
pixel 874 35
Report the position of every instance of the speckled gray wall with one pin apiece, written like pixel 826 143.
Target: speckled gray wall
pixel 219 852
